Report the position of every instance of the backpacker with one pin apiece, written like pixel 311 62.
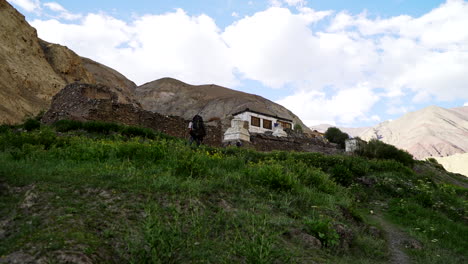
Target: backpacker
pixel 198 128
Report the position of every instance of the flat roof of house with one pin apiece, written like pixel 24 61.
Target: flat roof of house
pixel 256 112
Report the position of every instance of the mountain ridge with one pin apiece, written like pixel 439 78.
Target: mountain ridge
pixel 431 131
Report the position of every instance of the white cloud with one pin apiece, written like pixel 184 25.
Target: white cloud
pixel 234 14
pixel 63 13
pixel 153 46
pixel 275 3
pixel 345 106
pixel 297 3
pixel 55 7
pixel 28 5
pixel 277 47
pixel 466 104
pixel 427 55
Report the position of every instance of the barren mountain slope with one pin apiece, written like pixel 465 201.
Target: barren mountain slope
pixel 33 70
pixel 432 131
pixel 457 163
pixel 351 131
pixel 172 97
pixel 27 81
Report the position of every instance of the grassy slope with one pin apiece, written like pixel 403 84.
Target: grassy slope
pixel 111 197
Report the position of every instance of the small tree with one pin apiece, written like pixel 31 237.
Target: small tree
pixel 298 128
pixel 335 135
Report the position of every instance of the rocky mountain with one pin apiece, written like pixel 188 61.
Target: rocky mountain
pixel 32 70
pixel 430 132
pixel 172 97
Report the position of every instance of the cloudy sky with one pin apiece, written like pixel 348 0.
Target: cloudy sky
pixel 350 63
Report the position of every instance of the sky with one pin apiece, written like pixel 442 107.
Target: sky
pixel 347 63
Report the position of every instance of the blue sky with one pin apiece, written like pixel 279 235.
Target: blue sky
pixel 349 63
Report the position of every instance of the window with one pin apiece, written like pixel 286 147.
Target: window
pixel 255 121
pixel 267 124
pixel 285 124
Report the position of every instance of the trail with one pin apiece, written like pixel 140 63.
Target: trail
pixel 396 239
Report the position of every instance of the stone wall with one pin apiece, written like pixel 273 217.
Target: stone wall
pixel 77 102
pixel 85 102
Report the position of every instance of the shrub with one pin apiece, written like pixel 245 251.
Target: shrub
pixel 380 150
pixel 4 128
pixel 101 127
pixel 298 128
pixel 335 135
pixel 131 131
pixel 31 124
pixel 341 174
pixel 323 230
pixel 67 125
pixel 435 163
pixel 273 176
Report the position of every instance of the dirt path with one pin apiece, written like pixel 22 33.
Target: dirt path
pixel 396 240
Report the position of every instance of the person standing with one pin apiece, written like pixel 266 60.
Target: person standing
pixel 196 130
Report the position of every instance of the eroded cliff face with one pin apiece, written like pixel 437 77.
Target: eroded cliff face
pixel 27 80
pixel 33 70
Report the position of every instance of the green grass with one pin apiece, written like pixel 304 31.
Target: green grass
pixel 124 194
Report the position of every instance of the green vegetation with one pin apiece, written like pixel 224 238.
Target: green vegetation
pixel 335 135
pixel 298 128
pixel 117 194
pixel 376 149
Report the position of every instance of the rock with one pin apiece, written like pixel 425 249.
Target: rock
pixel 375 232
pixel 413 244
pixel 307 240
pixel 29 199
pixel 368 182
pixel 346 235
pixel 18 257
pixel 72 257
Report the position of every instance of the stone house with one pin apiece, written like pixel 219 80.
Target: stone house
pixel 261 122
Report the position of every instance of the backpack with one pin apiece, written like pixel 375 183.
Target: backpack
pixel 198 128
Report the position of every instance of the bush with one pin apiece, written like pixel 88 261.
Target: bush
pixel 4 128
pixel 31 124
pixel 376 149
pixel 298 128
pixel 435 163
pixel 335 135
pixel 131 131
pixel 323 230
pixel 67 125
pixel 341 174
pixel 101 127
pixel 273 176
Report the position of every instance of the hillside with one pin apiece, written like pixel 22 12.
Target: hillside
pixel 103 193
pixel 173 97
pixel 351 131
pixel 457 163
pixel 32 70
pixel 432 131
